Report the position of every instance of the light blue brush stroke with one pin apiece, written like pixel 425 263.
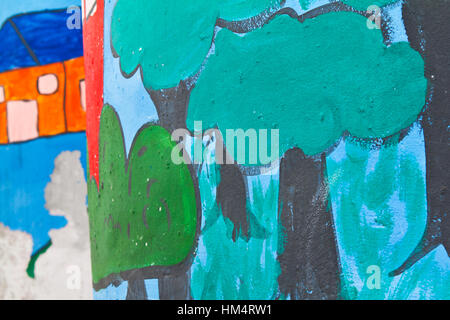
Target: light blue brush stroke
pixel 151 285
pixel 396 27
pixel 128 96
pixel 112 293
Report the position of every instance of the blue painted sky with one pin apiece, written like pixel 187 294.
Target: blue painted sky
pixel 47 36
pixel 25 170
pixel 9 8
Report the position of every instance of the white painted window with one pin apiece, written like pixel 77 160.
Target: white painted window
pixel 47 84
pixel 2 94
pixel 22 120
pixel 83 94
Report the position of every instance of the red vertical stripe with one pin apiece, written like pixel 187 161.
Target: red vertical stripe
pixel 93 61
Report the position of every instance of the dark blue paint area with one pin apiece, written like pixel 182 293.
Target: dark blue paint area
pixel 25 170
pixel 47 35
pixel 20 58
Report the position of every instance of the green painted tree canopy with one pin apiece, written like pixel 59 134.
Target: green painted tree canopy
pixel 144 212
pixel 313 81
pixel 170 39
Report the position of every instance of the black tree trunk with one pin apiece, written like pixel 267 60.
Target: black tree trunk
pixel 171 105
pixel 427 24
pixel 136 289
pixel 309 260
pixel 175 287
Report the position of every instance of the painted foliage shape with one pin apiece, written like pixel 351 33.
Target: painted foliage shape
pixel 144 213
pixel 275 74
pixel 168 39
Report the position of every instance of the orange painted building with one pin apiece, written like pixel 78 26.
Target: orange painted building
pixel 50 97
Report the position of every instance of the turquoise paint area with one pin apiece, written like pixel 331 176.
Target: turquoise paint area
pixel 305 4
pixel 169 40
pixel 245 269
pixel 379 206
pixel 428 279
pixel 310 80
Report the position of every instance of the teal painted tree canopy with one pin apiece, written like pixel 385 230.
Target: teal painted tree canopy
pixel 313 81
pixel 137 219
pixel 170 39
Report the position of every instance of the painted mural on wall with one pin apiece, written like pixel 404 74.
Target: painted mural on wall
pixel 349 98
pixel 44 235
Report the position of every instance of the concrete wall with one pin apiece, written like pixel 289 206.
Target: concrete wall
pixel 259 149
pixel 44 227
